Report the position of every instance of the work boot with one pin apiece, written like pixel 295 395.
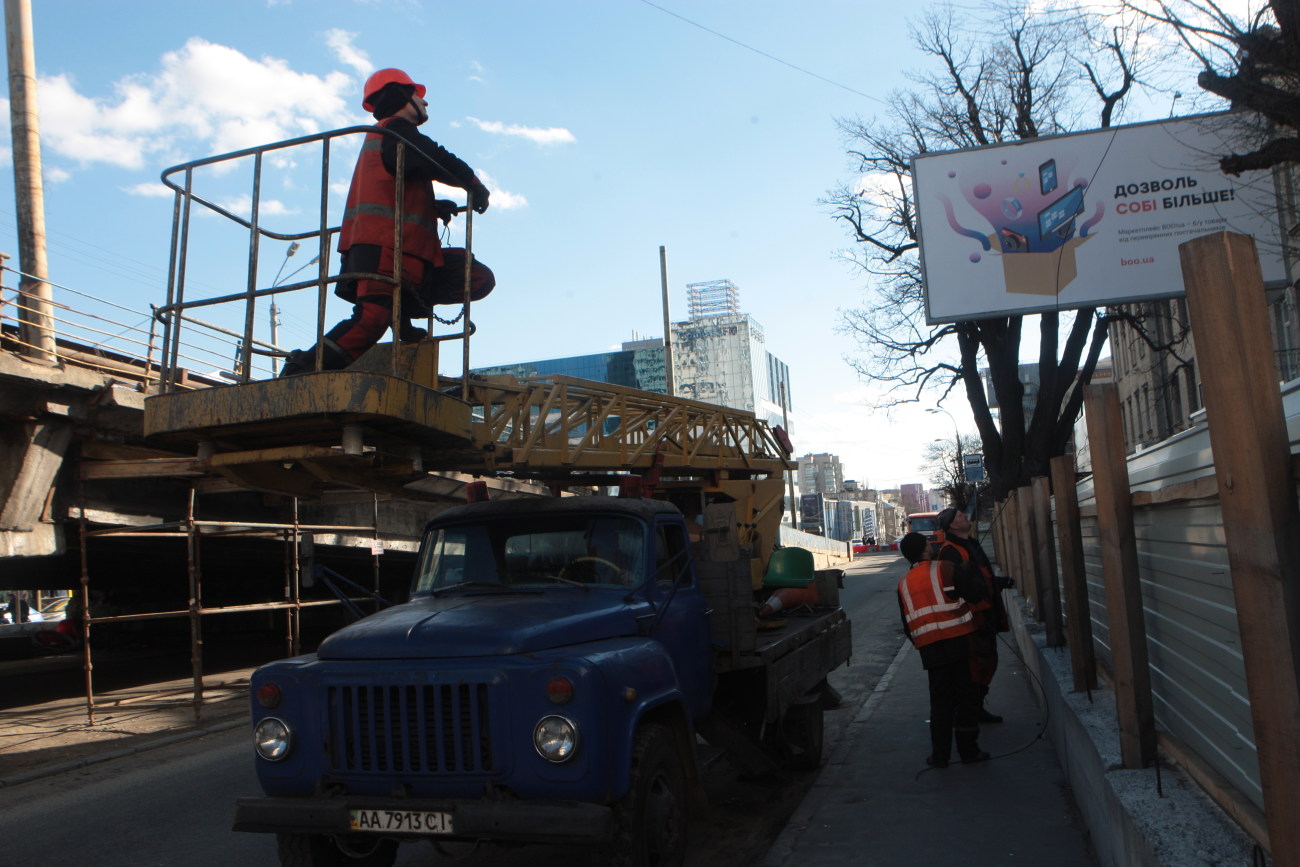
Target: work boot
pixel 987 717
pixel 298 361
pixel 304 360
pixel 409 333
pixel 968 745
pixel 936 761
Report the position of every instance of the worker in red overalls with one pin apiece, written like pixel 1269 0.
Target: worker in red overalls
pixel 966 556
pixel 430 274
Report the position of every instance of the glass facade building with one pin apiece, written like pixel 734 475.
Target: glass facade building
pixel 636 365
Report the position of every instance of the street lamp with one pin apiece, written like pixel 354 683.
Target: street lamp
pixel 961 463
pixel 275 311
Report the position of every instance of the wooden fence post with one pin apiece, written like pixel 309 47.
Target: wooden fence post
pixel 1027 544
pixel 1045 559
pixel 1261 521
pixel 1006 522
pixel 1128 640
pixel 1078 616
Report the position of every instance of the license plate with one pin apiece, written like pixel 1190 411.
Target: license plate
pixel 401 822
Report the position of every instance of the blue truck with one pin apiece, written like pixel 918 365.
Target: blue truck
pixel 545 682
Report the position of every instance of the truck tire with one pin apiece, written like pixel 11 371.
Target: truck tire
pixel 805 734
pixel 650 822
pixel 320 850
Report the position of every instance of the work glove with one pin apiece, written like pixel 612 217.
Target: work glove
pixel 446 209
pixel 1005 583
pixel 479 196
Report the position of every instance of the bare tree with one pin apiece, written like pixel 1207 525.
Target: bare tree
pixel 943 462
pixel 1252 61
pixel 1008 76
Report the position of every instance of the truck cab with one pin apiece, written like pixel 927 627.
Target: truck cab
pixel 543 640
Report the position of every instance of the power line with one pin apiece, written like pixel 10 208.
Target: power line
pixel 763 53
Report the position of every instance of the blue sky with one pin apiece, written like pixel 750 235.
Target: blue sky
pixel 604 128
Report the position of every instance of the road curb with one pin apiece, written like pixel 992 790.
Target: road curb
pixel 782 849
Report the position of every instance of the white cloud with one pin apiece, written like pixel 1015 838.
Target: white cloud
pixel 242 206
pixel 502 200
pixel 547 136
pixel 150 190
pixel 204 98
pixel 340 42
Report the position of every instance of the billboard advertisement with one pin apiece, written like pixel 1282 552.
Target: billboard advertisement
pixel 811 509
pixel 1085 219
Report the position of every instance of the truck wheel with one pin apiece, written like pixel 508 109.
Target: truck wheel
pixel 805 734
pixel 320 850
pixel 650 822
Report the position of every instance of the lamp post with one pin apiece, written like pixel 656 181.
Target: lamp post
pixel 275 311
pixel 956 434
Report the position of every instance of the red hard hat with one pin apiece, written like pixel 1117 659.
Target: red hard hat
pixel 381 79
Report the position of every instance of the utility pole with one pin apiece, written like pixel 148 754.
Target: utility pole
pixel 785 423
pixel 35 294
pixel 275 332
pixel 668 325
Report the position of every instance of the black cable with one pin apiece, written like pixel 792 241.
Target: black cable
pixel 762 53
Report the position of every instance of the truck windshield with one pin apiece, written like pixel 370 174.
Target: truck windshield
pixel 921 524
pixel 509 552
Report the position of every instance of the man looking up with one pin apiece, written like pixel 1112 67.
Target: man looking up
pixel 970 561
pixel 429 274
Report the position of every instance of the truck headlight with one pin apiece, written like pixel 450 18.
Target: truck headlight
pixel 556 738
pixel 272 739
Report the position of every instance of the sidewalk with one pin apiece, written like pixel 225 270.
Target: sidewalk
pixel 55 737
pixel 876 802
pixel 1061 799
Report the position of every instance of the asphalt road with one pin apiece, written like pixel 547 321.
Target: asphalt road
pixel 173 806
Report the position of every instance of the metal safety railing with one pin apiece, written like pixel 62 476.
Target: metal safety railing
pixel 253 355
pixel 91 332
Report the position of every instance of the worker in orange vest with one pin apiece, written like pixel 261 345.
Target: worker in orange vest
pixel 429 273
pixel 937 616
pixel 968 558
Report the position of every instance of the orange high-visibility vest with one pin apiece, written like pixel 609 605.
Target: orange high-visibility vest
pixel 372 206
pixel 929 606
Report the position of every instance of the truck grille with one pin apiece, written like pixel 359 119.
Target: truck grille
pixel 421 729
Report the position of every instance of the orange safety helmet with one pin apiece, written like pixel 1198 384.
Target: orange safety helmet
pixel 381 79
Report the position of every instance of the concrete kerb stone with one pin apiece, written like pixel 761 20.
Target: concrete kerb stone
pixel 1130 822
pixel 782 850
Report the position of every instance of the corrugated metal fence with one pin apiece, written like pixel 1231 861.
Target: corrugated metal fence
pixel 1193 641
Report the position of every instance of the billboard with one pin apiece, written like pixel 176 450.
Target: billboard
pixel 811 510
pixel 1085 219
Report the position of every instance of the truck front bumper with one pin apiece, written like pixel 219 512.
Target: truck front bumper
pixel 523 821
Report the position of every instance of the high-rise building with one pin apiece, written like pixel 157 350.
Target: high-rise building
pixel 719 357
pixel 820 474
pixel 915 498
pixel 638 364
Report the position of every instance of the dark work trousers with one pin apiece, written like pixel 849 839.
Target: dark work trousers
pixel 954 707
pixel 424 286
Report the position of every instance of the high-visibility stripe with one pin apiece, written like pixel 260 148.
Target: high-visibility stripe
pixel 371 209
pixel 939 617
